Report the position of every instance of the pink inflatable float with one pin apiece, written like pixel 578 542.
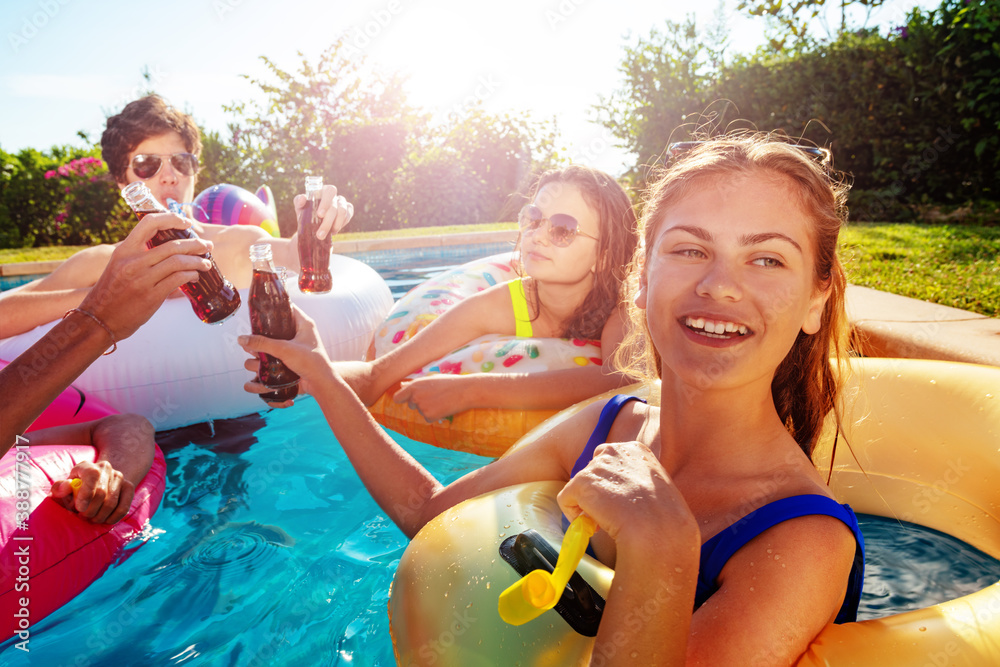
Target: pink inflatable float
pixel 48 555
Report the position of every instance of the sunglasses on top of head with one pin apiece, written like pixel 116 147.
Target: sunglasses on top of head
pixel 563 228
pixel 821 155
pixel 147 165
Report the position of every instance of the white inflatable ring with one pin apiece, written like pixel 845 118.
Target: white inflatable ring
pixel 176 370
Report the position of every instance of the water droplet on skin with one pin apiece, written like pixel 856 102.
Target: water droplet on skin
pixel 922 629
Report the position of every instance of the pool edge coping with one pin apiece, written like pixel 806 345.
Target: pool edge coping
pixel 888 324
pixel 340 247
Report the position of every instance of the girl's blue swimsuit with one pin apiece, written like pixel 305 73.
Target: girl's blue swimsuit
pixel 718 550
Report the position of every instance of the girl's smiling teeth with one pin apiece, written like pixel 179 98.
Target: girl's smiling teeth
pixel 715 329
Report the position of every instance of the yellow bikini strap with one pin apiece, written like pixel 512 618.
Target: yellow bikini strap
pixel 522 320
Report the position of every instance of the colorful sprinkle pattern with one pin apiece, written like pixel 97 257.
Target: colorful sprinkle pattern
pixel 492 353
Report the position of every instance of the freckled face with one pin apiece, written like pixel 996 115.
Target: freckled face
pixel 574 263
pixel 168 182
pixel 729 280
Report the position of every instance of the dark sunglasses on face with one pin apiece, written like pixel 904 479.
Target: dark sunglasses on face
pixel 562 228
pixel 147 165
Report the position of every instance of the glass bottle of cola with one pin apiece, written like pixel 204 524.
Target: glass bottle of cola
pixel 212 297
pixel 271 316
pixel 314 254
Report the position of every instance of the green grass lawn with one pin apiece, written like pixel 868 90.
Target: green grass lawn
pixel 953 265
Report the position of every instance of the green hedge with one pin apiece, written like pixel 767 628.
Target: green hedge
pixel 913 116
pixel 64 197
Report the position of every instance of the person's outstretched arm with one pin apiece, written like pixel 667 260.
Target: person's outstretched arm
pixel 46 299
pixel 125 449
pixel 442 395
pixel 405 490
pixel 128 292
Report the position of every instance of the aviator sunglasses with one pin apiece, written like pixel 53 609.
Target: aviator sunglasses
pixel 562 228
pixel 147 165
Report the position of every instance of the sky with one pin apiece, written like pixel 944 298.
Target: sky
pixel 67 64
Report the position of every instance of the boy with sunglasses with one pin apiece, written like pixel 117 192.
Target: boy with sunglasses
pixel 151 141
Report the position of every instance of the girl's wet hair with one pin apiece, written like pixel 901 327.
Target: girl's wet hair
pixel 806 384
pixel 615 246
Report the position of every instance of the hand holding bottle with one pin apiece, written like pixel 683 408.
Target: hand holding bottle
pixel 212 297
pixel 136 281
pixel 304 355
pixel 271 315
pixel 333 211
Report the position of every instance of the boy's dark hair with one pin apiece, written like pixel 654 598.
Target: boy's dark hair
pixel 141 119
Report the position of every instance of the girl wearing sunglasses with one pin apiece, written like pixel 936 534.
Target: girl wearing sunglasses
pixel 577 235
pixel 727 545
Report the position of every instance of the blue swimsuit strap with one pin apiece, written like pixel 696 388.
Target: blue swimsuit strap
pixel 601 431
pixel 717 551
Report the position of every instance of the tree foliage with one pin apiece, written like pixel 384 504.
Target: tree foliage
pixel 913 115
pixel 336 118
pixel 354 126
pixel 793 17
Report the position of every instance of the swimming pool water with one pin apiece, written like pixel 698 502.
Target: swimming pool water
pixel 267 550
pixel 405 269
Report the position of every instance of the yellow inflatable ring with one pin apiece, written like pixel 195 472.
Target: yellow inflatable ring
pixel 910 423
pixel 485 431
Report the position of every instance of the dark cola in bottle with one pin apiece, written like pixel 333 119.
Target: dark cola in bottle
pixel 314 254
pixel 271 316
pixel 212 297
